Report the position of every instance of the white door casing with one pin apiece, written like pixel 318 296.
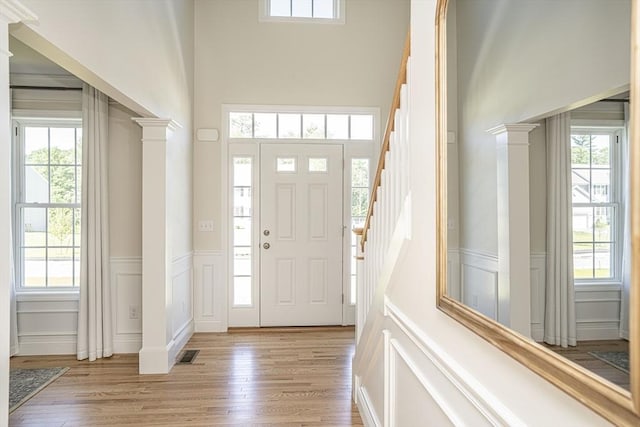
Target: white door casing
pixel 301 234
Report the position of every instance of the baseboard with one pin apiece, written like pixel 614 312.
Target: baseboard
pixel 131 344
pixel 179 341
pixel 594 332
pixel 47 345
pixel 365 407
pixel 537 333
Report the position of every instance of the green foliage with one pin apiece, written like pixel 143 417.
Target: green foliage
pixel 60 174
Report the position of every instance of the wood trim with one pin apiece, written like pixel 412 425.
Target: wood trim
pixel 395 104
pixel 615 404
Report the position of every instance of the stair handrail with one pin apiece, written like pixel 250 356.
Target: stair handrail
pixel 395 104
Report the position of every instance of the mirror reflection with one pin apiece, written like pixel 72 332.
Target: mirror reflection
pixel 537 172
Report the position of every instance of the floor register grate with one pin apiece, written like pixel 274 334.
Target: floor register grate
pixel 187 357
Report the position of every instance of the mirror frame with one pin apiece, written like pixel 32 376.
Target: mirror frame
pixel 612 402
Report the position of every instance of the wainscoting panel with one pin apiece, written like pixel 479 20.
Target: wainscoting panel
pixel 47 324
pixel 181 280
pixel 422 384
pixel 479 282
pixel 598 312
pixel 210 291
pixel 126 288
pixel 453 274
pixel 538 274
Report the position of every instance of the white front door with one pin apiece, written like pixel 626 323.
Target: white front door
pixel 301 234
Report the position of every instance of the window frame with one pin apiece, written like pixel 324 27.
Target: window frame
pixel 338 19
pixel 616 202
pixel 18 203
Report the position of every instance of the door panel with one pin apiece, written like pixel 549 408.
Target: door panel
pixel 301 234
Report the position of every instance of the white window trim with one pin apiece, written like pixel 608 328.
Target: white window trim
pixel 614 126
pixel 339 7
pixel 21 119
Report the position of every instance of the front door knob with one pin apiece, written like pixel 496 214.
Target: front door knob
pixel 266 246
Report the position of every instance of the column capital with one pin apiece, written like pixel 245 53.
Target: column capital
pixel 154 129
pixel 513 128
pixel 14 11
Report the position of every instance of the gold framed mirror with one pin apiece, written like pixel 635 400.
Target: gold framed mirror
pixel 615 403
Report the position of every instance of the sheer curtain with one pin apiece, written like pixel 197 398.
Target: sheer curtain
pixel 626 242
pixel 560 317
pixel 95 338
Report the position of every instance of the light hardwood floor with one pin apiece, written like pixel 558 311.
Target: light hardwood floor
pixel 279 377
pixel 580 355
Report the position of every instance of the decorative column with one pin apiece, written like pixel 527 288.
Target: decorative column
pixel 10 11
pixel 155 355
pixel 514 271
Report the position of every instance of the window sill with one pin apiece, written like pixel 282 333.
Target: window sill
pixel 47 296
pixel 597 286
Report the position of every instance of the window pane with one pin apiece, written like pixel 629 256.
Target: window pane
pixel 323 9
pixel 242 231
pixel 313 126
pixel 79 145
pixel 63 142
pixel 60 267
pixel 242 261
pixel 318 164
pixel 360 172
pixel 242 201
pixel 580 184
pixel 76 267
pixel 602 224
pixel 76 227
pixel 583 224
pixel 289 125
pixel 287 164
pixel 359 201
pixel 36 145
pixel 357 222
pixel 242 290
pixel 242 171
pixel 34 226
pixel 240 125
pixel 301 8
pixel 36 184
pixel 602 259
pixel 580 147
pixel 353 290
pixel 362 127
pixel 34 267
pixel 600 151
pixel 265 125
pixel 600 184
pixel 78 184
pixel 337 126
pixel 583 261
pixel 63 184
pixel 279 8
pixel 60 227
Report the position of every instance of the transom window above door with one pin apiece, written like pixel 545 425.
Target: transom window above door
pixel 314 11
pixel 308 126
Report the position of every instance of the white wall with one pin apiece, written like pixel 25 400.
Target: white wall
pixel 553 58
pixel 241 61
pixel 449 375
pixel 140 54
